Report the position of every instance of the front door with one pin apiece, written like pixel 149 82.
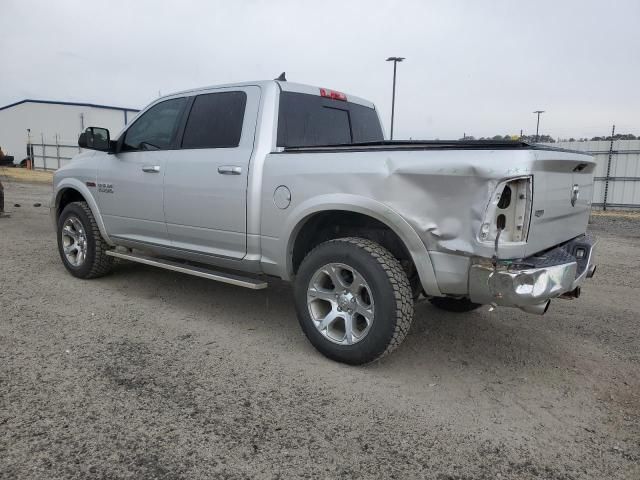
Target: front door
pixel 205 196
pixel 131 182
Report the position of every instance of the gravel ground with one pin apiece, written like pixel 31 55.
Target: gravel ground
pixel 617 223
pixel 149 374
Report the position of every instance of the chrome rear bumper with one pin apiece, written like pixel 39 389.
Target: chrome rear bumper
pixel 531 282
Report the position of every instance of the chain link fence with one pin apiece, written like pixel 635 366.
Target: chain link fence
pixel 50 155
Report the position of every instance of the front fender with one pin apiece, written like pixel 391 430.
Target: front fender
pixel 80 187
pixel 366 206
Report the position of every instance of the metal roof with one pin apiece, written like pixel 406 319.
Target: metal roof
pixel 74 104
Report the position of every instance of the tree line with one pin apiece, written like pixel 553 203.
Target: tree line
pixel 550 139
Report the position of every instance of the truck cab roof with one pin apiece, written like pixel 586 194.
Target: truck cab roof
pixel 283 86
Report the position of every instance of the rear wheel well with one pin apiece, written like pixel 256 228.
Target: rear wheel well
pixel 333 224
pixel 67 196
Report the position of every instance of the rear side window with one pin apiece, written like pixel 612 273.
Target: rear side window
pixel 215 121
pixel 156 128
pixel 311 120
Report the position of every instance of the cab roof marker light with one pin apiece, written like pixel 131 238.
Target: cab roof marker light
pixel 324 92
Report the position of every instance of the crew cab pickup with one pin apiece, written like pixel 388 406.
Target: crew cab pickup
pixel 240 183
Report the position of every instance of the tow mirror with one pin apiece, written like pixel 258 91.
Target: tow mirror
pixel 96 138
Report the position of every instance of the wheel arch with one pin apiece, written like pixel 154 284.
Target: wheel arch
pixel 353 205
pixel 72 190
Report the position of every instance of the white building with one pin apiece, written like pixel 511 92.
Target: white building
pixel 54 127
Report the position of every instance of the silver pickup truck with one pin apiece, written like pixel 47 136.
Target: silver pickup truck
pixel 239 183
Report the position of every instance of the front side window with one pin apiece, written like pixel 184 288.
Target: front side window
pixel 215 121
pixel 156 128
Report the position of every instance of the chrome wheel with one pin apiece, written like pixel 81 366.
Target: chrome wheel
pixel 340 303
pixel 74 241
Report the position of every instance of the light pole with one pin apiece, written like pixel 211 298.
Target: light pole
pixel 538 124
pixel 395 61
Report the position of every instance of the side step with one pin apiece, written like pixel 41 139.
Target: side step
pixel 246 282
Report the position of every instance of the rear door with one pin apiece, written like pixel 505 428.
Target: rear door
pixel 131 182
pixel 205 195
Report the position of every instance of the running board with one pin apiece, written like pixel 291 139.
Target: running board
pixel 246 282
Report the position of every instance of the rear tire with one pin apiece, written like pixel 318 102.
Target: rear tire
pixel 353 300
pixel 80 244
pixel 456 305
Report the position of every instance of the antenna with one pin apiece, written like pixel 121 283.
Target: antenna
pixel 281 78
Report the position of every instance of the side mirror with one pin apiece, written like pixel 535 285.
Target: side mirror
pixel 96 138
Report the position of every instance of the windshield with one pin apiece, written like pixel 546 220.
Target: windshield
pixel 311 120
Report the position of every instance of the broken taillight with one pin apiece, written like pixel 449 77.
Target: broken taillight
pixel 508 212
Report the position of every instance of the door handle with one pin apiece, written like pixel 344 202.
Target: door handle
pixel 229 170
pixel 151 168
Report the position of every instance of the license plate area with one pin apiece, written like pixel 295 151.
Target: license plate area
pixel 578 250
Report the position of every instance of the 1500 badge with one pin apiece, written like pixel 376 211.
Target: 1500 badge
pixel 105 187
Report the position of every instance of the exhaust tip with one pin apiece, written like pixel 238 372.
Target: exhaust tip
pixel 575 293
pixel 592 271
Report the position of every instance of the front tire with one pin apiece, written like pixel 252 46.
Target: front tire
pixel 353 300
pixel 81 247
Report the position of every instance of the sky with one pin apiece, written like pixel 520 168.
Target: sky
pixel 472 67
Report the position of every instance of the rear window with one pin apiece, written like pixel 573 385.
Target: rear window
pixel 215 121
pixel 311 120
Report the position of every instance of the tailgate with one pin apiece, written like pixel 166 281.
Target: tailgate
pixel 562 193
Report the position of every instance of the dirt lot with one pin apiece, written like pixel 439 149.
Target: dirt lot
pixel 149 374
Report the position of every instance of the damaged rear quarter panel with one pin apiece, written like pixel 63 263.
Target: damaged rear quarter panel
pixel 442 194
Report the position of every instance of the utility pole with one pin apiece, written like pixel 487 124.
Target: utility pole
pixel 395 61
pixel 538 124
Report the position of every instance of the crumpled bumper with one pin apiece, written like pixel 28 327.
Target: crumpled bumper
pixel 531 282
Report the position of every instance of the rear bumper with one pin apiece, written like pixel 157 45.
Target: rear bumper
pixel 531 282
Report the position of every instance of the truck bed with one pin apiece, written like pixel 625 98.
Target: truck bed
pixel 443 187
pixel 428 145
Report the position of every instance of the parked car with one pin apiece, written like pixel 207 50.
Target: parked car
pixel 6 160
pixel 278 179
